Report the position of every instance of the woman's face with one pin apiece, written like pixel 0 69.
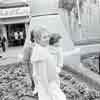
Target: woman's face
pixel 44 39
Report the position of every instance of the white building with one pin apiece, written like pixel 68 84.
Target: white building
pixel 14 16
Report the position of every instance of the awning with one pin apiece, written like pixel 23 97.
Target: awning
pixel 23 19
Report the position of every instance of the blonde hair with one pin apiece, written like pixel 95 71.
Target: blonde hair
pixel 37 32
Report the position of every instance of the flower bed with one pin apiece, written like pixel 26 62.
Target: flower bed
pixel 15 84
pixel 91 61
pixel 76 90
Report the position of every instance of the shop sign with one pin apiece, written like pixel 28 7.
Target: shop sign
pixel 14 12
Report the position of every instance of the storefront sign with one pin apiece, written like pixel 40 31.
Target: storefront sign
pixel 14 12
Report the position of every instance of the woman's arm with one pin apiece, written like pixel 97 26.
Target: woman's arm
pixel 26 60
pixel 24 56
pixel 60 58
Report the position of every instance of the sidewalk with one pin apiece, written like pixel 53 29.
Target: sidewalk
pixel 10 56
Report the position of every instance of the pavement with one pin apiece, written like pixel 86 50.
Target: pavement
pixel 11 55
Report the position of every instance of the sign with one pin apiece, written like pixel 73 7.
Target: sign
pixel 14 12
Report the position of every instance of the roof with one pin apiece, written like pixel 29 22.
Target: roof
pixel 12 3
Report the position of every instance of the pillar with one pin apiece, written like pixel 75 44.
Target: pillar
pixel 26 29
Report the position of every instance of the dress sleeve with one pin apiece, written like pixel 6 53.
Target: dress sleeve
pixel 60 57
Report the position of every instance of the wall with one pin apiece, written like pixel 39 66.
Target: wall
pixel 42 7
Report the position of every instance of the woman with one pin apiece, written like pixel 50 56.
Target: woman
pixel 56 50
pixel 44 68
pixel 3 43
pixel 25 56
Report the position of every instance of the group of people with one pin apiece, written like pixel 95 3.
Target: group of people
pixel 19 38
pixel 43 55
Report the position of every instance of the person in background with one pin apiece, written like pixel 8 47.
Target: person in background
pixel 0 45
pixel 3 43
pixel 21 37
pixel 56 50
pixel 0 40
pixel 16 38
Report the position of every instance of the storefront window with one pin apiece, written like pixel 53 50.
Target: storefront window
pixel 16 34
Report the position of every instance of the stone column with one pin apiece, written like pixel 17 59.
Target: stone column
pixel 26 29
pixel 4 31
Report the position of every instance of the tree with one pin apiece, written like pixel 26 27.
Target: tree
pixel 76 7
pixel 68 5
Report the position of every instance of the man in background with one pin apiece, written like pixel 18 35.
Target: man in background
pixel 3 43
pixel 22 38
pixel 16 38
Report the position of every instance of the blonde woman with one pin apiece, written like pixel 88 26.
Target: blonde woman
pixel 44 67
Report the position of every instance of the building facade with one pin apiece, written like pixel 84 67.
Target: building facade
pixel 14 17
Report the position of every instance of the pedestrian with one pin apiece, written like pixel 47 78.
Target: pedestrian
pixel 3 43
pixel 16 38
pixel 0 44
pixel 44 67
pixel 21 37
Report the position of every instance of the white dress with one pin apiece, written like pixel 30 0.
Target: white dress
pixel 41 54
pixel 57 53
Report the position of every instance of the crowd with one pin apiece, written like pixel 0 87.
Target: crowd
pixel 19 38
pixel 16 38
